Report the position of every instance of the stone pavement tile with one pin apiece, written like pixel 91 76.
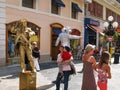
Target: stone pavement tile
pixel 9 84
pixel 43 83
pixel 113 83
pixel 9 79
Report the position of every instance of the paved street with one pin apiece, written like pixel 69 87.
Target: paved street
pixel 9 77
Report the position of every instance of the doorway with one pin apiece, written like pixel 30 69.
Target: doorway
pixel 55 31
pixel 92 36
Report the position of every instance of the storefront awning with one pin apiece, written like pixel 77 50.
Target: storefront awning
pixel 57 30
pixel 118 30
pixel 99 30
pixel 76 7
pixel 118 1
pixel 59 3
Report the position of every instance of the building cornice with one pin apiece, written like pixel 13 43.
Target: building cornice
pixel 110 4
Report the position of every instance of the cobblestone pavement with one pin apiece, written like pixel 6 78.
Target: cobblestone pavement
pixel 9 77
pixel 76 81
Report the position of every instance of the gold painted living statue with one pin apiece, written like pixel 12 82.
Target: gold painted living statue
pixel 22 41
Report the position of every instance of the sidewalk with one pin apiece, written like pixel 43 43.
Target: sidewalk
pixel 9 79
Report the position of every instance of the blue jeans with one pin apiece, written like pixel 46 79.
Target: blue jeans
pixel 66 79
pixel 58 80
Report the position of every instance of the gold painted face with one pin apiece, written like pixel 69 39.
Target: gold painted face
pixel 23 22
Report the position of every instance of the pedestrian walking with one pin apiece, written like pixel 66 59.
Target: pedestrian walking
pixel 81 57
pixel 96 54
pixel 89 62
pixel 36 56
pixel 103 69
pixel 79 52
pixel 101 50
pixel 59 60
pixel 64 67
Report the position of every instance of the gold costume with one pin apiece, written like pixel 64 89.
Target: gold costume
pixel 22 40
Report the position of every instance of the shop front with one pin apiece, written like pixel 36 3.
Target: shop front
pixel 12 52
pixel 92 32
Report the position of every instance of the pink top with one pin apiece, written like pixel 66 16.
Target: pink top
pixel 102 76
pixel 66 67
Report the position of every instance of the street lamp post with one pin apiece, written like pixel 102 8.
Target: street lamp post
pixel 110 29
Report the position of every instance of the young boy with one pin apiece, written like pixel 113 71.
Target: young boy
pixel 66 55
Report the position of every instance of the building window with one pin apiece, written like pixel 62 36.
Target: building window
pixel 75 9
pixel 56 6
pixel 99 10
pixel 95 9
pixel 118 19
pixel 111 13
pixel 29 3
pixel 92 36
pixel 74 14
pixel 55 9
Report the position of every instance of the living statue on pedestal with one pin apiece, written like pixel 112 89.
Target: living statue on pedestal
pixel 22 41
pixel 65 37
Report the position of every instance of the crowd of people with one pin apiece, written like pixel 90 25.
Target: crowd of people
pixel 65 59
pixel 89 67
pixel 102 69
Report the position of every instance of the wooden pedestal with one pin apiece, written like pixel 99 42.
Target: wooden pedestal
pixel 27 81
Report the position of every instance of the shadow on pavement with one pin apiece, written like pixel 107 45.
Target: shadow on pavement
pixel 45 87
pixel 12 76
pixel 49 65
pixel 13 71
pixel 9 72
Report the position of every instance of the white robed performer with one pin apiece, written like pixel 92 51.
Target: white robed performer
pixel 65 37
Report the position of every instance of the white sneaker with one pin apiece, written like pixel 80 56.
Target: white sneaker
pixel 34 70
pixel 23 71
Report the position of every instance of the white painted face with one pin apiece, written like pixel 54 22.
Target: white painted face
pixel 66 29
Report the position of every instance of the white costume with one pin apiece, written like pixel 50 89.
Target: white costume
pixel 65 37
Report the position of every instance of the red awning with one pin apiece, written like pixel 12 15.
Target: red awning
pixel 99 30
pixel 118 30
pixel 75 32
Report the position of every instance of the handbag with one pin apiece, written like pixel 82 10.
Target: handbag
pixel 73 69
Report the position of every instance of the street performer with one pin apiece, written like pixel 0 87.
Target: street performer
pixel 22 41
pixel 65 37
